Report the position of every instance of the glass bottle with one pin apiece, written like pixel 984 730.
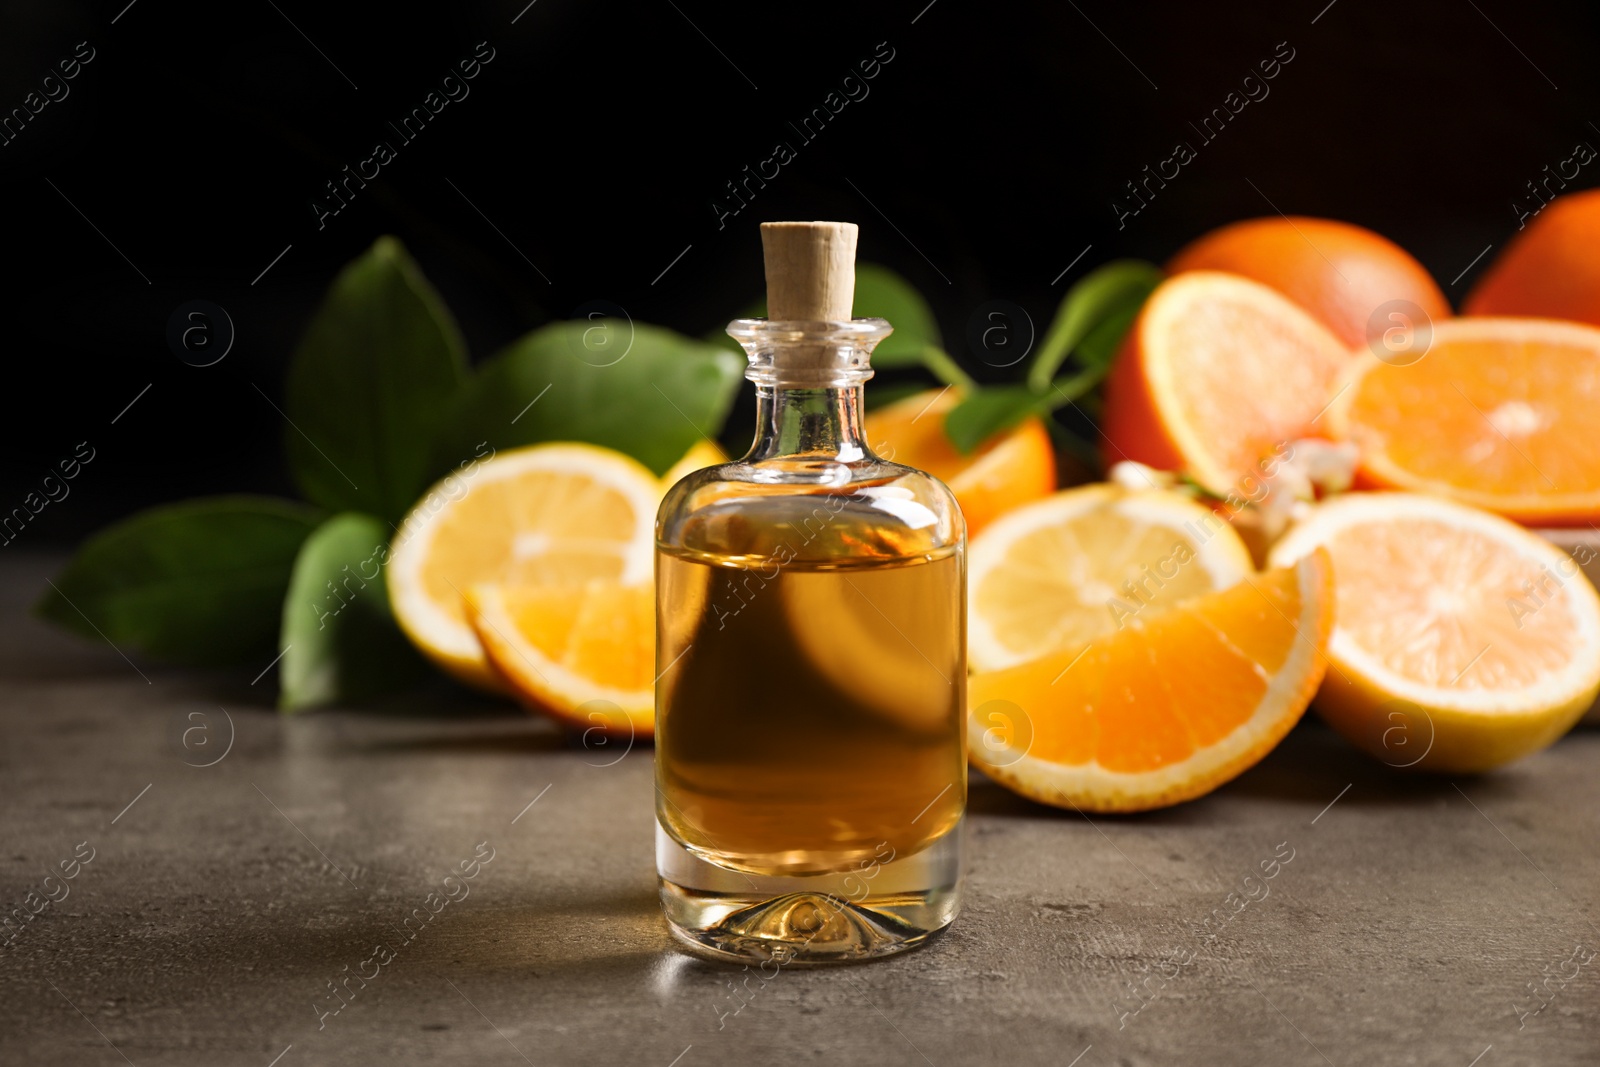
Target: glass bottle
pixel 811 651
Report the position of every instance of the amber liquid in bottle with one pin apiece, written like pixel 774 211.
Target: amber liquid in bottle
pixel 815 717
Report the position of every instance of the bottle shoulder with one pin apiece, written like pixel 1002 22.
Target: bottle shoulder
pixel 818 509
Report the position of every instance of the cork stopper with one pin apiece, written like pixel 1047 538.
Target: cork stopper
pixel 811 270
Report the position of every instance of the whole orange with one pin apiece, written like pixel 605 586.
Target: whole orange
pixel 1342 274
pixel 1010 469
pixel 1549 270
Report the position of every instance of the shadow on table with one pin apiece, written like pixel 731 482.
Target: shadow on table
pixel 608 932
pixel 578 936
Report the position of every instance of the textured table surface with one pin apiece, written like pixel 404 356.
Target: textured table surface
pixel 1413 923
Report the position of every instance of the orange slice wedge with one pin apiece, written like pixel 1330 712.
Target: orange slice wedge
pixel 1165 709
pixel 585 654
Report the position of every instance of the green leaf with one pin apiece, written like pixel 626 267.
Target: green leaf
pixel 718 335
pixel 883 294
pixel 340 638
pixel 1107 294
pixel 640 389
pixel 1071 388
pixel 199 582
pixel 370 384
pixel 1099 346
pixel 984 412
pixel 944 367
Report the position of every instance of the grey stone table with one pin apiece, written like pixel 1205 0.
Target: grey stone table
pixel 1409 920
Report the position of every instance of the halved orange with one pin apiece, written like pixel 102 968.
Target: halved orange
pixel 1463 640
pixel 1010 469
pixel 1064 570
pixel 1498 413
pixel 556 515
pixel 1216 373
pixel 585 654
pixel 1165 709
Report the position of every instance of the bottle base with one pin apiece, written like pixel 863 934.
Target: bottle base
pixel 842 917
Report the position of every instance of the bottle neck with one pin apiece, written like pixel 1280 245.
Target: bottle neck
pixel 809 421
pixel 808 378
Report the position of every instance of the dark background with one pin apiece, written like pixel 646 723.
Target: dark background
pixel 983 162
